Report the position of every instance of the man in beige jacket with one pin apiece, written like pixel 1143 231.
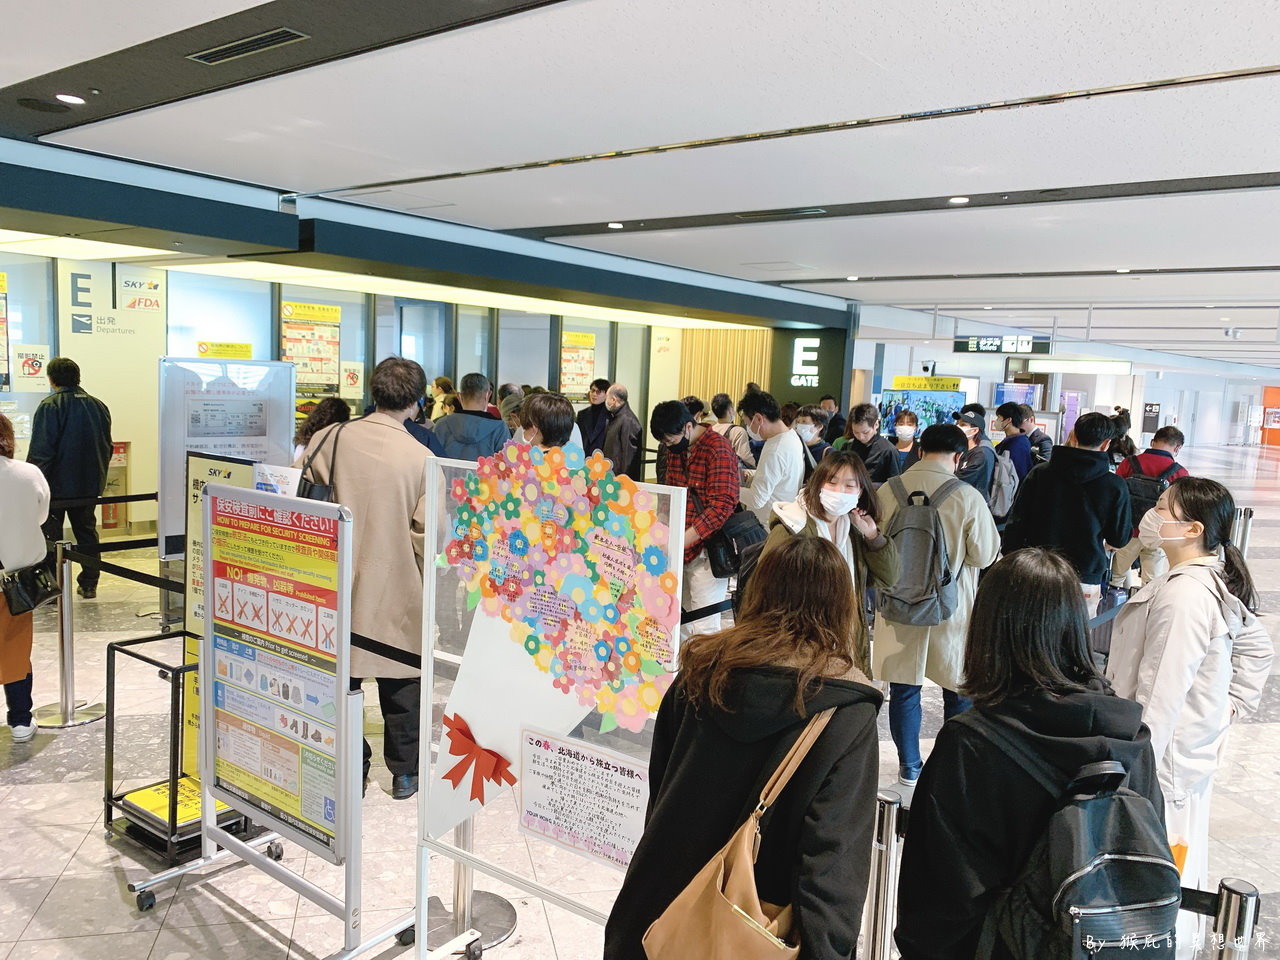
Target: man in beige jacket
pixel 903 654
pixel 377 470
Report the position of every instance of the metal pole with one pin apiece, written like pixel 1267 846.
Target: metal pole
pixel 463 878
pixel 1245 532
pixel 1233 927
pixel 884 869
pixel 65 713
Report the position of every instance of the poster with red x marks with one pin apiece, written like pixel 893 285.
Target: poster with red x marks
pixel 274 588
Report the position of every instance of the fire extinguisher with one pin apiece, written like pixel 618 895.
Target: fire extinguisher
pixel 110 516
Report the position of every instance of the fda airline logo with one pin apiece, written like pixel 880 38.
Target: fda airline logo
pixel 141 295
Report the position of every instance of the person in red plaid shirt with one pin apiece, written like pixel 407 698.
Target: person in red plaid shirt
pixel 704 463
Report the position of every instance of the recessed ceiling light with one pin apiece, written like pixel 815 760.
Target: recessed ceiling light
pixel 958 200
pixel 614 226
pixel 71 98
pixel 851 278
pixel 1225 319
pixel 988 308
pixel 1122 269
pixel 1210 306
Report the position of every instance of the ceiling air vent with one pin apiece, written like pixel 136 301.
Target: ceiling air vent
pixel 248 46
pixel 781 214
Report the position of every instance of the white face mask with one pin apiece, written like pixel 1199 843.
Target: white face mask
pixel 969 431
pixel 751 434
pixel 837 504
pixel 1149 528
pixel 807 431
pixel 905 433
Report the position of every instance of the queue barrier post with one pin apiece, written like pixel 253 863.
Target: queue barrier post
pixel 1236 919
pixel 886 851
pixel 66 712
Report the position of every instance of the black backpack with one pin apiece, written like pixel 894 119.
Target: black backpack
pixel 1100 880
pixel 747 561
pixel 1144 491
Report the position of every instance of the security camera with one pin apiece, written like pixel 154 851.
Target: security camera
pixel 1232 332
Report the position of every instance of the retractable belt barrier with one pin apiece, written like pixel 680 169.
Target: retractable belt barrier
pixel 1234 908
pixel 724 606
pixel 68 502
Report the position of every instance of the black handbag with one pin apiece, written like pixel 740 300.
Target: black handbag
pixel 308 489
pixel 27 588
pixel 724 547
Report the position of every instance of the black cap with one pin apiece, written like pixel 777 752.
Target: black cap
pixel 970 418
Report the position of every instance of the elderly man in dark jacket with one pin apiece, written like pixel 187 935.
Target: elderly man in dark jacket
pixel 624 437
pixel 71 444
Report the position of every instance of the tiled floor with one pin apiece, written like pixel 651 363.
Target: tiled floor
pixel 63 885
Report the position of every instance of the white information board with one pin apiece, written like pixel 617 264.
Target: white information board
pixel 232 408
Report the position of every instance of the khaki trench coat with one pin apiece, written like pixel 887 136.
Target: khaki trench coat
pixel 380 478
pixel 907 654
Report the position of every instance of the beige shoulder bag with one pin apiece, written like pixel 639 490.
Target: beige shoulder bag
pixel 719 915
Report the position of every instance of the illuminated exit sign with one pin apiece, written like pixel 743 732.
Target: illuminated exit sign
pixel 1012 343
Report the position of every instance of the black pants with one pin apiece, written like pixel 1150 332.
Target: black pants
pixel 399 697
pixel 17 696
pixel 84 530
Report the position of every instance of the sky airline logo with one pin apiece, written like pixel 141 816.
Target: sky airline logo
pixel 141 284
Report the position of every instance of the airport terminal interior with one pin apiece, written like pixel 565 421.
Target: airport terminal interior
pixel 229 213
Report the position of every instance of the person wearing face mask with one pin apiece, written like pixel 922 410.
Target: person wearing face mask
pixel 624 437
pixel 1145 475
pixel 705 464
pixel 780 465
pixel 838 504
pixel 546 420
pixel 905 425
pixel 810 424
pixel 862 436
pixel 978 465
pixel 905 654
pixel 1188 648
pixel 593 419
pixel 1015 442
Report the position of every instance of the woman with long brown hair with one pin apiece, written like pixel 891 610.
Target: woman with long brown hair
pixel 739 702
pixel 838 503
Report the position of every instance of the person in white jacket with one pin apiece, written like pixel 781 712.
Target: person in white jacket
pixel 780 469
pixel 24 505
pixel 1190 650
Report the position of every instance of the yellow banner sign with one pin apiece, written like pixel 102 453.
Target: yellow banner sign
pixel 220 350
pixel 926 383
pixel 577 338
pixel 311 312
pixel 4 283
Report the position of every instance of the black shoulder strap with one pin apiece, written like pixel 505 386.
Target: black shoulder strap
pixel 1169 471
pixel 333 463
pixel 1135 466
pixel 997 733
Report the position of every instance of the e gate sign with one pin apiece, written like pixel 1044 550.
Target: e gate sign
pixel 806 364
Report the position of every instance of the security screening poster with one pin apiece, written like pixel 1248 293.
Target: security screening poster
pixel 272 596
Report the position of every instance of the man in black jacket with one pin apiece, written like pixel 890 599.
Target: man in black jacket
pixel 978 464
pixel 593 420
pixel 1075 504
pixel 624 438
pixel 835 422
pixel 71 444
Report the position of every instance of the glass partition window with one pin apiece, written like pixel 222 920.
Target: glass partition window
pixel 218 309
pixel 422 334
pixel 474 349
pixel 524 347
pixel 633 367
pixel 26 320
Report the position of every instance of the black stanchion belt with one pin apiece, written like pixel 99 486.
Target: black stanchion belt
pixel 62 504
pixel 126 573
pixel 386 651
pixel 724 606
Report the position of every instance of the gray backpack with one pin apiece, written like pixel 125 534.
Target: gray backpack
pixel 1004 486
pixel 925 594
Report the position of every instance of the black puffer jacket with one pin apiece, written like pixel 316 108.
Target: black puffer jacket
pixel 705 776
pixel 976 815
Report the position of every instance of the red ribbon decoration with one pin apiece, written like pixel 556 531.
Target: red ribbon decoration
pixel 483 764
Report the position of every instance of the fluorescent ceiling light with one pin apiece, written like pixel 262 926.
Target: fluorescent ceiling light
pixel 1122 269
pixel 988 308
pixel 70 98
pixel 851 278
pixel 958 200
pixel 615 225
pixel 359 283
pixel 1122 368
pixel 72 248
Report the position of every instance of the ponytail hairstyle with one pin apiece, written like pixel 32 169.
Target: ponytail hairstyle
pixel 1210 503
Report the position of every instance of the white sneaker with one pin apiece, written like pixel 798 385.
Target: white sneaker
pixel 24 733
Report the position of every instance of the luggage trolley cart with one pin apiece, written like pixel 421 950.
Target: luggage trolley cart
pixel 164 817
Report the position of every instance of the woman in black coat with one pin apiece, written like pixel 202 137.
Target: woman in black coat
pixel 976 814
pixel 739 703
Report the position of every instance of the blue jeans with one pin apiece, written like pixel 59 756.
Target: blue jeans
pixel 904 719
pixel 18 699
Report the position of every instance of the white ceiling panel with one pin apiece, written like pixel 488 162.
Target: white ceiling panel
pixel 1222 229
pixel 1216 288
pixel 595 75
pixel 40 37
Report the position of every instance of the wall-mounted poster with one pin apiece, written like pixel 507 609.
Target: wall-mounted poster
pixel 577 363
pixel 5 382
pixel 569 605
pixel 929 406
pixel 309 339
pixel 26 372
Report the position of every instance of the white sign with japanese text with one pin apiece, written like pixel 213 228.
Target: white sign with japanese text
pixel 582 797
